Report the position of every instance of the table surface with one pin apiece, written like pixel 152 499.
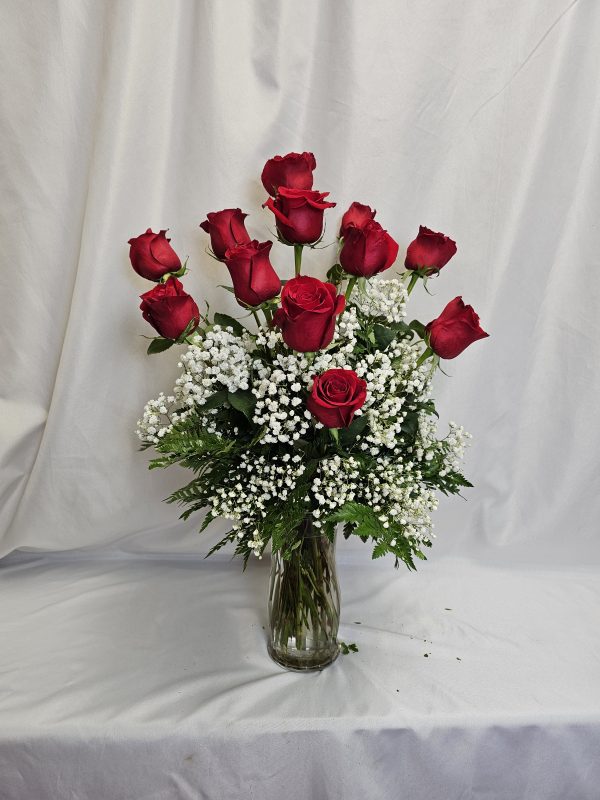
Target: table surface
pixel 148 677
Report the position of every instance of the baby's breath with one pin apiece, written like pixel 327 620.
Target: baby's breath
pixel 266 463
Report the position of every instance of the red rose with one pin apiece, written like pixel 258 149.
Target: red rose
pixel 299 214
pixel 367 250
pixel 336 395
pixel 429 251
pixel 307 313
pixel 169 309
pixel 357 215
pixel 294 171
pixel 152 256
pixel 226 229
pixel 454 330
pixel 253 276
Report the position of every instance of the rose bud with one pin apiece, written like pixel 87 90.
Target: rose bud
pixel 335 397
pixel 152 256
pixel 454 330
pixel 307 313
pixel 253 276
pixel 357 215
pixel 226 229
pixel 430 251
pixel 169 309
pixel 294 171
pixel 367 250
pixel 299 214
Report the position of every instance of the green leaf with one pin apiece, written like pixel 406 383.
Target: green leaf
pixel 348 435
pixel 227 288
pixel 428 406
pixel 216 400
pixel 380 549
pixel 206 521
pixel 348 530
pixel 365 519
pixel 158 345
pixel 188 329
pixel 401 328
pixel 418 328
pixel 243 401
pixel 335 274
pixel 383 336
pixel 229 537
pixel 225 321
pixel 410 424
pixel 181 444
pixel 182 270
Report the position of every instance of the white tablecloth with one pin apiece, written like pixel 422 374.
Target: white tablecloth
pixel 148 677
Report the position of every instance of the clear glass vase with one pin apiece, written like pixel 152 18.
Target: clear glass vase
pixel 304 603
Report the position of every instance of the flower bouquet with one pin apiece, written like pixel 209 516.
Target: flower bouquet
pixel 313 409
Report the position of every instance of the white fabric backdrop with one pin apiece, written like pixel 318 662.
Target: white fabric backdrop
pixel 125 676
pixel 479 119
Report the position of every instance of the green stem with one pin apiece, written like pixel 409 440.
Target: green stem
pixel 297 258
pixel 428 352
pixel 412 283
pixel 303 597
pixel 351 284
pixel 256 317
pixel 268 315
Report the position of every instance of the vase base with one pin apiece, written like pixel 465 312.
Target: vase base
pixel 299 661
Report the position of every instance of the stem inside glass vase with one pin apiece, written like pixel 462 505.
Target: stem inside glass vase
pixel 304 603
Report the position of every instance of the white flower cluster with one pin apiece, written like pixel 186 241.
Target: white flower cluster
pixel 280 385
pixel 380 298
pixel 158 419
pixel 458 440
pixel 393 490
pixel 396 492
pixel 280 406
pixel 390 376
pixel 219 359
pixel 334 485
pixel 247 491
pixel 345 331
pixel 426 444
pixel 451 449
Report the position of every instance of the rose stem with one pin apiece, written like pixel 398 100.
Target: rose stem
pixel 412 282
pixel 268 315
pixel 297 258
pixel 350 287
pixel 256 317
pixel 428 352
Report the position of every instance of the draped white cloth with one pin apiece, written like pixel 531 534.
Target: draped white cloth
pixel 478 119
pixel 149 678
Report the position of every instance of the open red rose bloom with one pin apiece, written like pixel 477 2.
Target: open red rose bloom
pixel 307 313
pixel 336 396
pixel 299 214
